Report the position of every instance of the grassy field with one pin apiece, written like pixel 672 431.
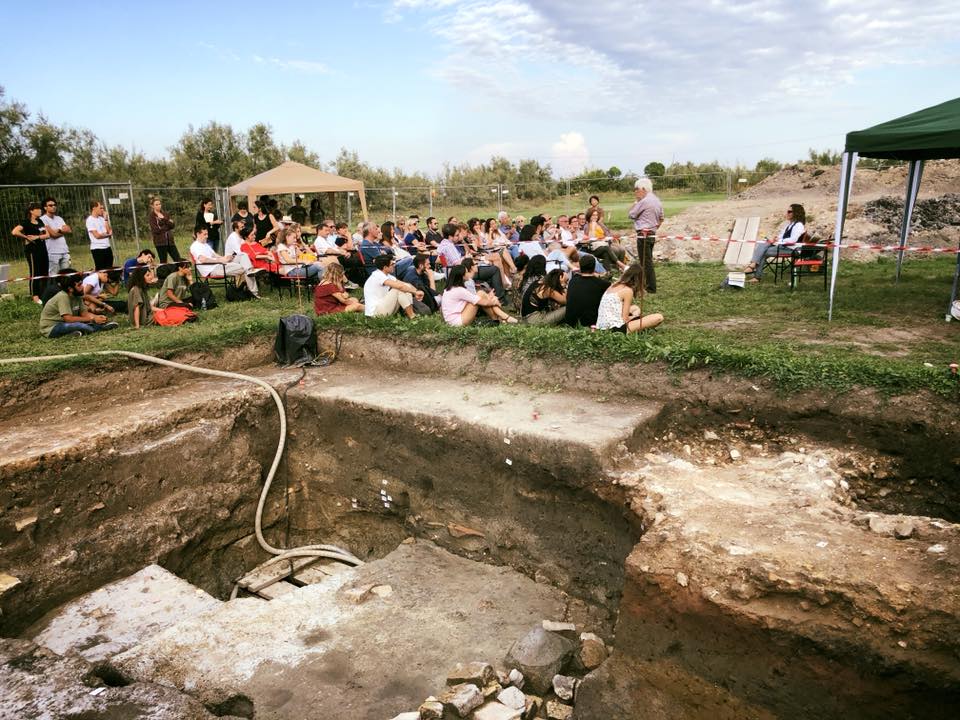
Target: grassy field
pixel 881 337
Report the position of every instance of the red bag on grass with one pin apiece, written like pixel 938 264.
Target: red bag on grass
pixel 173 315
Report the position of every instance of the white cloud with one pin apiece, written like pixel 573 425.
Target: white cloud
pixel 308 67
pixel 613 60
pixel 569 155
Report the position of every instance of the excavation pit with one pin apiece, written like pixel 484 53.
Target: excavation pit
pixel 741 562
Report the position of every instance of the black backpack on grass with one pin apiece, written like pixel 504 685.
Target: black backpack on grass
pixel 238 292
pixel 202 296
pixel 296 342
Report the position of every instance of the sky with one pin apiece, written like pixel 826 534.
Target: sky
pixel 415 84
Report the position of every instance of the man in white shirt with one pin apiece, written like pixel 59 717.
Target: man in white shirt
pixel 100 234
pixel 58 253
pixel 209 264
pixel 231 248
pixel 325 242
pixel 566 236
pixel 383 294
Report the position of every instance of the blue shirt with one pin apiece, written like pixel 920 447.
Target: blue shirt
pixel 128 267
pixel 369 250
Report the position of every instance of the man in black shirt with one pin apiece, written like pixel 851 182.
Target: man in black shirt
pixel 584 293
pixel 298 213
pixel 420 276
pixel 433 236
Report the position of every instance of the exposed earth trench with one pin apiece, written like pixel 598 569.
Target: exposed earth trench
pixel 746 553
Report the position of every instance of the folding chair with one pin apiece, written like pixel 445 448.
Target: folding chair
pixel 205 279
pixel 808 260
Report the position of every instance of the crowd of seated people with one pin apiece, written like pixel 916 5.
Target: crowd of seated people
pixel 549 272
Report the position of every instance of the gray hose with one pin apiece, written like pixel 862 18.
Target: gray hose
pixel 324 551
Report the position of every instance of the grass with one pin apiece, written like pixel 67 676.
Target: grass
pixel 881 337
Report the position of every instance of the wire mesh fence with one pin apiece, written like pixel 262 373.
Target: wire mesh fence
pixel 129 205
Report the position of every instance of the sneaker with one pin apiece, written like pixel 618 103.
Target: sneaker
pixel 439 276
pixel 109 326
pixel 350 286
pixel 76 334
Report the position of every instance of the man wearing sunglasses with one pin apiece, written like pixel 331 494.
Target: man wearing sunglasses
pixel 58 254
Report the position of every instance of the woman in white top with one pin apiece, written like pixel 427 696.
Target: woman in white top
pixel 790 233
pixel 617 311
pixel 287 250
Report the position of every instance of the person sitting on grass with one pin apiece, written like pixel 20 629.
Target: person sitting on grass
pixel 543 302
pixel 95 293
pixel 139 309
pixel 583 294
pixel 459 305
pixel 65 313
pixel 616 310
pixel 144 257
pixel 330 296
pixel 383 294
pixel 176 287
pixel 790 233
pixel 419 274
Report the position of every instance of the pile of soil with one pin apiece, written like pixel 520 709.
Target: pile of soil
pixel 928 214
pixel 873 215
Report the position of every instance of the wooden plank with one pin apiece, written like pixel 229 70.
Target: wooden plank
pixel 277 589
pixel 742 241
pixel 265 576
pixel 316 573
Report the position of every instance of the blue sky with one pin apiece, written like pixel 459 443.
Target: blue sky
pixel 417 83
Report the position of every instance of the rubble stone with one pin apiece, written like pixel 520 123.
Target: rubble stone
pixel 533 706
pixel 558 711
pixel 565 687
pixel 539 655
pixel 462 699
pixel 592 651
pixel 496 711
pixel 408 716
pixel 515 678
pixel 567 630
pixel 513 697
pixel 491 690
pixel 478 673
pixel 431 709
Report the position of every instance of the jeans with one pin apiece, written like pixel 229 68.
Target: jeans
pixel 765 250
pixel 491 275
pixel 307 271
pixel 57 262
pixel 68 328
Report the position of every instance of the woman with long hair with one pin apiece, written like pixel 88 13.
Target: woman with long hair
pixel 790 233
pixel 544 302
pixel 260 257
pixel 459 305
pixel 617 311
pixel 496 251
pixel 330 296
pixel 266 225
pixel 594 235
pixel 138 304
pixel 290 266
pixel 207 220
pixel 161 228
pixel 33 233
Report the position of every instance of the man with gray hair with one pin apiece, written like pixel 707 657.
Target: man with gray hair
pixel 647 216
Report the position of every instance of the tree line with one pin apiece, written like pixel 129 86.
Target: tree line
pixel 35 150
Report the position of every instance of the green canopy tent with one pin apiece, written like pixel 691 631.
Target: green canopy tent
pixel 932 133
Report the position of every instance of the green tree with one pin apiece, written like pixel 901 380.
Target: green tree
pixel 213 155
pixel 654 169
pixel 767 165
pixel 824 157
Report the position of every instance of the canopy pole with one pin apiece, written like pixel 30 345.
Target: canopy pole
pixel 847 165
pixel 953 291
pixel 363 202
pixel 913 189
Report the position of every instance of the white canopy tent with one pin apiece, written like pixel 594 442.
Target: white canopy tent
pixel 932 133
pixel 297 178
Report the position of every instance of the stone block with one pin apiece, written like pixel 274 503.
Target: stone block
pixel 565 687
pixel 513 698
pixel 462 699
pixel 558 711
pixel 496 711
pixel 539 655
pixel 478 673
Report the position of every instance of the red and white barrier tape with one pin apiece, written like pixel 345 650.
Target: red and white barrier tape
pixel 847 246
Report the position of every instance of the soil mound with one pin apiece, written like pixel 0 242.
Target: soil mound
pixel 928 214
